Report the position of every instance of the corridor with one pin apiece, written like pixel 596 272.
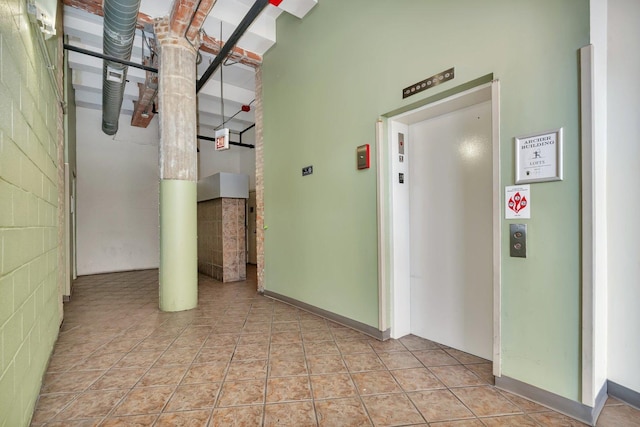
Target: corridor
pixel 241 359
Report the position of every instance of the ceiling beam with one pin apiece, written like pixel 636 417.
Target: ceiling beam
pixel 208 44
pixel 95 7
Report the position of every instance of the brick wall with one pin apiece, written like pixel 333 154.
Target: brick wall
pixel 29 296
pixel 259 182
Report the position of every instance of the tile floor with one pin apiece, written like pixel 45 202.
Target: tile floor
pixel 241 359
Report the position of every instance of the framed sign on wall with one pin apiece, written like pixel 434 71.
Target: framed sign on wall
pixel 539 157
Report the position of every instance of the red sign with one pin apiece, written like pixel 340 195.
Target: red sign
pixel 517 202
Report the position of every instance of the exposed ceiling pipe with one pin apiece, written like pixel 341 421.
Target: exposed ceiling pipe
pixel 119 32
pixel 251 16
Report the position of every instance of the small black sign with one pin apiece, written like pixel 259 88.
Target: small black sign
pixel 428 83
pixel 307 170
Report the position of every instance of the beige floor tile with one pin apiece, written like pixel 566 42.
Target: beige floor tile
pixel 485 401
pixel 510 421
pixel 456 376
pixel 284 367
pixel 321 347
pixel 177 356
pixel 131 421
pixel 387 346
pixel 94 422
pixel 416 379
pixel 163 375
pixel 413 343
pixel 138 359
pixel 354 346
pixel 119 357
pixel 242 393
pixel 49 405
pixel 102 362
pixel 286 337
pixel 119 345
pixel 261 338
pixel 363 362
pixel 554 419
pixel 239 416
pixel 484 371
pixel 211 372
pixel 188 418
pixel 619 415
pixel 251 351
pixel 341 413
pixel 72 381
pixel 220 354
pixel 343 333
pixel 288 389
pixel 316 335
pixel 326 364
pixel 525 405
pixel 474 422
pixel 221 340
pixel 332 386
pixel 399 360
pixel 299 414
pixel 440 405
pixel 144 400
pixel 391 410
pixel 286 349
pixel 193 396
pixel 247 370
pixel 116 378
pixel 91 405
pixel 285 326
pixel 435 358
pixel 465 358
pixel 377 382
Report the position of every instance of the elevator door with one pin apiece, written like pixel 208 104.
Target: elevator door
pixel 450 193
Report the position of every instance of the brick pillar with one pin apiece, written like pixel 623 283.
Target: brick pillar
pixel 259 182
pixel 178 170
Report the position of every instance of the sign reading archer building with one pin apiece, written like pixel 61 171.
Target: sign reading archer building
pixel 539 157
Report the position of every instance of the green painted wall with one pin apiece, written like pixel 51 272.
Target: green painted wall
pixel 329 78
pixel 29 316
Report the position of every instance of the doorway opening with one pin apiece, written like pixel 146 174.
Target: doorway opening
pixel 442 183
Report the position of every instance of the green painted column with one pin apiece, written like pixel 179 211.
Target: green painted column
pixel 178 245
pixel 178 170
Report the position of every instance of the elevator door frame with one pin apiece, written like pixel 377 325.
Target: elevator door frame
pixel 393 212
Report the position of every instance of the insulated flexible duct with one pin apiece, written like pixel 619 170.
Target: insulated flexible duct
pixel 119 32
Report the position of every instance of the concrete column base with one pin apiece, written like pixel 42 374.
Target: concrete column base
pixel 178 245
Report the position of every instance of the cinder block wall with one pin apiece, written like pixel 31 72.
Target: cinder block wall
pixel 29 296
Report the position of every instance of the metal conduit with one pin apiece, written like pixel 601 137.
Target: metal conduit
pixel 242 27
pixel 119 32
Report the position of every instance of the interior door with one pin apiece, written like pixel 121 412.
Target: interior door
pixel 450 199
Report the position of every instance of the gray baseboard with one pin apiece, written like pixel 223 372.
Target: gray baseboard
pixel 344 321
pixel 624 394
pixel 569 407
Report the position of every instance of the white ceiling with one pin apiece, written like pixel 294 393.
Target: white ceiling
pixel 85 30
